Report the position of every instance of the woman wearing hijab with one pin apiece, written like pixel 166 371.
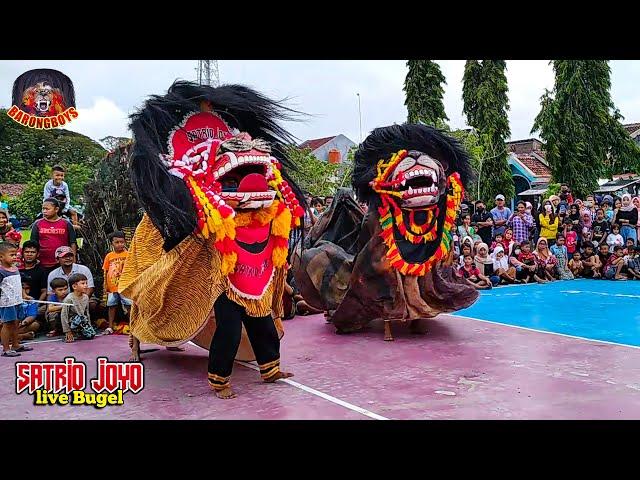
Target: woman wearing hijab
pixel 627 218
pixel 546 260
pixel 484 263
pixel 636 203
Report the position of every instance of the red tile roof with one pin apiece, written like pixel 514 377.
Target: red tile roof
pixel 524 146
pixel 317 143
pixel 538 168
pixel 12 189
pixel 632 127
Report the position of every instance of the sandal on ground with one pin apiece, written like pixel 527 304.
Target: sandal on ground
pixel 24 348
pixel 52 333
pixel 10 353
pixel 108 331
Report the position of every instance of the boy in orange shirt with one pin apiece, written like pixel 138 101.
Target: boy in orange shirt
pixel 112 268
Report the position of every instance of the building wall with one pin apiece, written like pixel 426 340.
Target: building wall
pixel 341 143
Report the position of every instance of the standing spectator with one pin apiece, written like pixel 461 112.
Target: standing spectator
pixel 52 232
pixel 33 274
pixel 607 206
pixel 636 203
pixel 500 215
pixel 614 238
pixel 559 250
pixel 574 216
pixel 627 218
pixel 11 298
pixel 585 225
pixel 565 193
pixel 327 202
pixel 522 222
pixel 7 232
pixel 600 227
pixel 57 186
pixel 482 221
pixel 112 269
pixel 549 223
pixel 466 230
pixel 534 232
pixel 555 202
pixel 571 236
pixel 546 260
pixel 590 206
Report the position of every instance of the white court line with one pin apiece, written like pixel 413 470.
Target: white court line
pixel 317 393
pixel 543 331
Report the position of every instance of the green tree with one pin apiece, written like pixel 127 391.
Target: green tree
pixel 312 175
pixel 584 138
pixel 424 91
pixel 23 150
pixel 484 94
pixel 27 155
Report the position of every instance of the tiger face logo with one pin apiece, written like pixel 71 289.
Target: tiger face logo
pixel 43 100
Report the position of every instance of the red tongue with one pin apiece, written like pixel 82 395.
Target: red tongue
pixel 254 182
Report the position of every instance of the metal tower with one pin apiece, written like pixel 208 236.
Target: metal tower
pixel 208 73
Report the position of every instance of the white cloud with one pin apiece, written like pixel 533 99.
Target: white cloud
pixel 102 119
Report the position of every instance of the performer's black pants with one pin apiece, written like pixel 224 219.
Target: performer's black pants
pixel 262 334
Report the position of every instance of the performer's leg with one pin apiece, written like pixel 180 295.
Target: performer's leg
pixel 224 345
pixel 264 340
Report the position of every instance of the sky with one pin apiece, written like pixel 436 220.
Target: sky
pixel 108 91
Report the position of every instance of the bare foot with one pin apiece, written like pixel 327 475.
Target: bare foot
pixel 278 376
pixel 225 393
pixel 134 344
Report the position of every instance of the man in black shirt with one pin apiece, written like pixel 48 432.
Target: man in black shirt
pixel 482 221
pixel 33 274
pixel 600 227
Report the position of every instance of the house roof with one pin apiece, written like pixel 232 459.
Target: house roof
pixel 317 143
pixel 538 168
pixel 617 184
pixel 632 127
pixel 12 189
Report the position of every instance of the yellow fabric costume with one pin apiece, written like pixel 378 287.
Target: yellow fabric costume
pixel 173 292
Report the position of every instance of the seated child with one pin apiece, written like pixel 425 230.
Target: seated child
pixel 28 314
pixel 633 264
pixel 75 318
pixel 614 265
pixel 472 275
pixel 604 257
pixel 60 289
pixel 591 265
pixel 531 269
pixel 576 265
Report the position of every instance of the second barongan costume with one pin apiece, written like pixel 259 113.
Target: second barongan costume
pixel 393 264
pixel 210 253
